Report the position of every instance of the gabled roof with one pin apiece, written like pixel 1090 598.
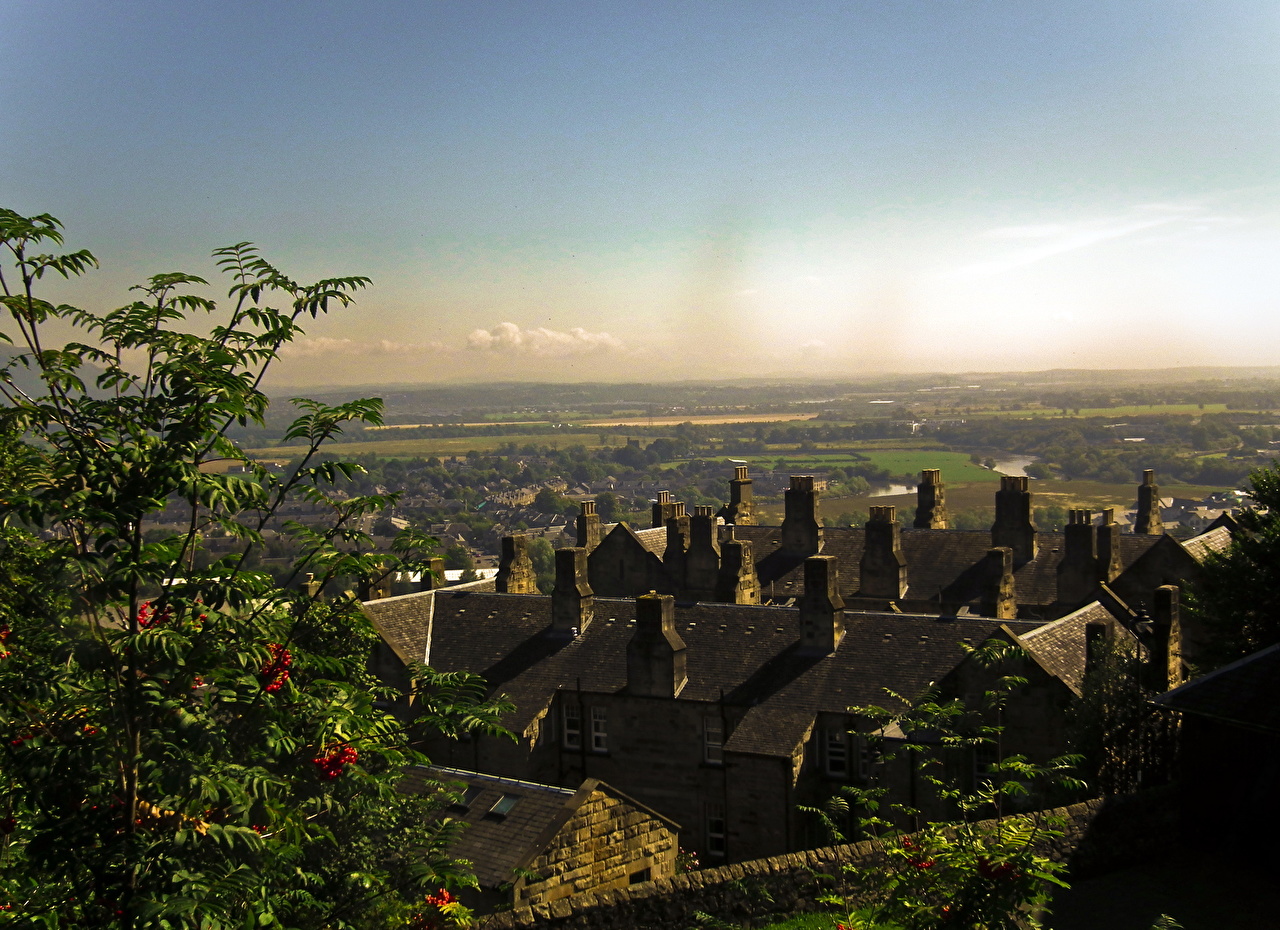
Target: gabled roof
pixel 1061 646
pixel 497 843
pixel 1245 693
pixel 750 654
pixel 1210 542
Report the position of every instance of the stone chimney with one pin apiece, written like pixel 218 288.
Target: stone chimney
pixel 1078 567
pixel 1148 522
pixel 432 576
pixel 675 554
pixel 741 508
pixel 312 587
pixel 664 508
pixel 572 601
pixel 1109 564
pixel 588 526
pixel 1013 526
pixel 375 587
pixel 737 582
pixel 998 597
pixel 883 569
pixel 702 561
pixel 821 607
pixel 1164 652
pixel 656 661
pixel 931 501
pixel 801 529
pixel 515 570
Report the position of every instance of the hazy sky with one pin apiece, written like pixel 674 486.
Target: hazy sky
pixel 608 190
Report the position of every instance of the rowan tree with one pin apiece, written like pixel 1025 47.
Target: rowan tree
pixel 184 745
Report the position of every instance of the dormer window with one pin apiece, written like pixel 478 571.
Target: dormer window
pixel 502 806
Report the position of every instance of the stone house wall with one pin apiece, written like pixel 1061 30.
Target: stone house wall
pixel 607 844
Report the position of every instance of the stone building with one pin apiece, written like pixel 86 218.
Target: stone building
pixel 531 844
pixel 722 717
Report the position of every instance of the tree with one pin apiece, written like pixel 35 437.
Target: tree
pixel 458 556
pixel 179 744
pixel 1237 598
pixel 985 867
pixel 543 557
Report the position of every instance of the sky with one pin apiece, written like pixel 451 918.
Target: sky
pixel 561 191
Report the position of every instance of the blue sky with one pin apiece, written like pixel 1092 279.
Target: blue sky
pixel 560 191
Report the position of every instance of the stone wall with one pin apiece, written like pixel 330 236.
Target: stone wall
pixel 607 844
pixel 1098 835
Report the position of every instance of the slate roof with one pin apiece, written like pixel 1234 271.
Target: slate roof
pixel 1060 646
pixel 749 653
pixel 1245 693
pixel 939 563
pixel 1208 543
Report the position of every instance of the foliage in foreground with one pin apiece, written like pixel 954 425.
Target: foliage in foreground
pixel 985 868
pixel 1237 598
pixel 186 746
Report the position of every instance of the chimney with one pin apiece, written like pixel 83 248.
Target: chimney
pixel 931 501
pixel 656 661
pixel 572 601
pixel 1013 526
pixel 375 587
pixel 1148 521
pixel 741 508
pixel 998 599
pixel 801 529
pixel 312 587
pixel 737 582
pixel 674 556
pixel 821 607
pixel 515 570
pixel 402 583
pixel 664 508
pixel 432 575
pixel 883 569
pixel 1109 565
pixel 702 561
pixel 1078 567
pixel 1164 652
pixel 588 526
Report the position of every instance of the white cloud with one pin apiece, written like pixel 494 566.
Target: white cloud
pixel 510 338
pixel 321 346
pixel 1041 241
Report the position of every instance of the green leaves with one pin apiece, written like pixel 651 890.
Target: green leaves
pixel 160 767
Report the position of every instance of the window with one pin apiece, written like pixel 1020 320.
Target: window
pixel 599 729
pixel 468 798
pixel 713 741
pixel 571 717
pixel 863 749
pixel 502 806
pixel 985 758
pixel 716 839
pixel 835 746
pixel 636 878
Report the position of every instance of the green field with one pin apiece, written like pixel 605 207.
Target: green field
pixel 1133 410
pixel 955 465
pixel 439 447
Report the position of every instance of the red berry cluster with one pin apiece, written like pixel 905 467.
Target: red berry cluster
pixel 8 825
pixel 332 763
pixel 276 671
pixel 4 635
pixel 19 740
pixel 997 870
pixel 440 899
pixel 148 616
